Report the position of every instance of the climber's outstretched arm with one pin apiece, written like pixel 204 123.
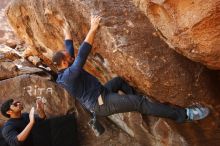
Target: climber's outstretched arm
pixel 94 26
pixel 66 31
pixel 86 46
pixel 68 39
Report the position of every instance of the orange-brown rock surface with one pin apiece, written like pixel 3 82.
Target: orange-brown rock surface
pixel 191 27
pixel 6 34
pixel 128 45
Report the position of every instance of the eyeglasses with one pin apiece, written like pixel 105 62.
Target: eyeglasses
pixel 16 103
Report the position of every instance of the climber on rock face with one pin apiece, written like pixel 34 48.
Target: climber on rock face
pixel 17 130
pixel 104 100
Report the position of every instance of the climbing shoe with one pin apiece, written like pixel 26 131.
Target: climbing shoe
pixel 197 112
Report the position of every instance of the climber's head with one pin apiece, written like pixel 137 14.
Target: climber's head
pixel 11 108
pixel 62 59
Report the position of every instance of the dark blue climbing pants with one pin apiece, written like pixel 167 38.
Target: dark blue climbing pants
pixel 130 101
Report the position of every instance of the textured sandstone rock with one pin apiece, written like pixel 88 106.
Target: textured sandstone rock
pixel 191 27
pixel 6 34
pixel 8 54
pixel 11 64
pixel 10 69
pixel 127 45
pixel 27 87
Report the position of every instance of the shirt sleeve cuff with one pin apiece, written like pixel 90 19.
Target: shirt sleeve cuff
pixel 87 45
pixel 68 42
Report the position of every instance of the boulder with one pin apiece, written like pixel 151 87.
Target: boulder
pixel 12 64
pixel 11 69
pixel 6 34
pixel 190 27
pixel 128 45
pixel 8 54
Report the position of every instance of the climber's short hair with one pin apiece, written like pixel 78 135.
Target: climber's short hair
pixel 58 57
pixel 6 107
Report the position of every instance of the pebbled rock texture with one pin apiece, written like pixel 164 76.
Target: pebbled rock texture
pixel 190 27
